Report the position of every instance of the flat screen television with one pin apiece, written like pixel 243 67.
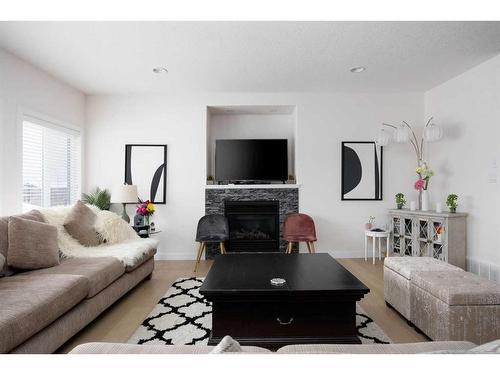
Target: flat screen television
pixel 240 160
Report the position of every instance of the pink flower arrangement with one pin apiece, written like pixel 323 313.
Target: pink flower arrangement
pixel 419 184
pixel 145 209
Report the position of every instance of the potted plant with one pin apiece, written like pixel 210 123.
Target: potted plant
pixel 369 225
pixel 210 180
pixel 400 200
pixel 451 202
pixel 99 198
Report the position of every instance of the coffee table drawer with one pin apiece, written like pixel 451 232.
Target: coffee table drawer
pixel 319 319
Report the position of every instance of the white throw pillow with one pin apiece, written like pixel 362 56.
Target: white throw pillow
pixel 112 228
pixel 227 345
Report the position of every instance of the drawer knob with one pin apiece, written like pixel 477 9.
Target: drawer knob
pixel 290 321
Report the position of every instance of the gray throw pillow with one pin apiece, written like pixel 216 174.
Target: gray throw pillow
pixel 4 237
pixel 80 225
pixel 227 345
pixel 32 245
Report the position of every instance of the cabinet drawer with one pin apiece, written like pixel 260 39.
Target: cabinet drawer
pixel 319 319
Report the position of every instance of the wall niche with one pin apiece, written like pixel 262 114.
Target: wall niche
pixel 251 122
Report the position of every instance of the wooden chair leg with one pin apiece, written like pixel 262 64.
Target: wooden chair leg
pixel 313 250
pixel 222 248
pixel 308 247
pixel 289 248
pixel 198 256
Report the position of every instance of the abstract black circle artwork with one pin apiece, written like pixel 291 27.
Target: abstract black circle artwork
pixel 361 171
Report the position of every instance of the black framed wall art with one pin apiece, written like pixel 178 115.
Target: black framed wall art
pixel 361 171
pixel 146 167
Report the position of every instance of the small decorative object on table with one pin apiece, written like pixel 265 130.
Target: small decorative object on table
pixel 152 227
pixel 369 225
pixel 439 229
pixel 278 281
pixel 422 184
pixel 146 209
pixel 400 200
pixel 210 180
pixel 451 202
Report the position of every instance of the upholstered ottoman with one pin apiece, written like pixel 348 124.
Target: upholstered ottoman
pixel 397 276
pixel 455 306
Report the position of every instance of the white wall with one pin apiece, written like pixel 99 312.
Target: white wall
pixel 24 87
pixel 468 108
pixel 323 121
pixel 251 126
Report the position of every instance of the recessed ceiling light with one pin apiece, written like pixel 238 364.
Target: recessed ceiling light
pixel 358 69
pixel 160 70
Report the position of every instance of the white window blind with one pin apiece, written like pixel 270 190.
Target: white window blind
pixel 51 164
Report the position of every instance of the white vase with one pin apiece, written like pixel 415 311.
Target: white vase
pixel 425 200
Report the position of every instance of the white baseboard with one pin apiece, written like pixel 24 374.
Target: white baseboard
pixel 192 256
pixel 176 256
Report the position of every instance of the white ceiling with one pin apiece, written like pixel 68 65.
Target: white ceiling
pixel 118 57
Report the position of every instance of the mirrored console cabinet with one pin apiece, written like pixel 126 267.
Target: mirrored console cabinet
pixel 430 234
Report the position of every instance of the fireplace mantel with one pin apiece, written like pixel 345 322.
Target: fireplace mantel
pixel 256 186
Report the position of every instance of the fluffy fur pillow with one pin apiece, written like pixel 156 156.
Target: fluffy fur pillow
pixel 112 228
pixel 80 225
pixel 32 244
pixel 227 345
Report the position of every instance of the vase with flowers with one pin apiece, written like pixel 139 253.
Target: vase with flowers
pixel 422 184
pixel 146 209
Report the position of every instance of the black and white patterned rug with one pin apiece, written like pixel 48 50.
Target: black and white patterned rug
pixel 184 317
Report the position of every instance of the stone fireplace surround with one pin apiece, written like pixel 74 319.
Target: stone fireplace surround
pixel 286 195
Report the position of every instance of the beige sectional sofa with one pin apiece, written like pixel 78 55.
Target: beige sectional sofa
pixel 42 309
pixel 412 348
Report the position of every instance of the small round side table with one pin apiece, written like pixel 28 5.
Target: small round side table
pixel 374 236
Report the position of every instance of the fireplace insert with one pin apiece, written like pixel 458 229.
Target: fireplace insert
pixel 253 226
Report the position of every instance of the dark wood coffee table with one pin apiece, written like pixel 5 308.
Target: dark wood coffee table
pixel 316 305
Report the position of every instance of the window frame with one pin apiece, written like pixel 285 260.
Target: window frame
pixel 25 114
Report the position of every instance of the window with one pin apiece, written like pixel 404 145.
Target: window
pixel 51 164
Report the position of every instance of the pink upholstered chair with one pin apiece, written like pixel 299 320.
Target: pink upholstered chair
pixel 299 228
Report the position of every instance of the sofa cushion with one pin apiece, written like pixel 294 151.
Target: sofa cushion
pixel 411 348
pixel 405 266
pixel 100 272
pixel 4 240
pixel 133 263
pixel 458 287
pixel 115 348
pixel 80 224
pixel 32 302
pixel 32 244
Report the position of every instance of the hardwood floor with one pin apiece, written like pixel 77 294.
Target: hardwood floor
pixel 121 320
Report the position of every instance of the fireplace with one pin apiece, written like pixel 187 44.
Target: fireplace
pixel 253 226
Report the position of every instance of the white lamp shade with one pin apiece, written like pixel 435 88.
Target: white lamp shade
pixel 124 194
pixel 433 133
pixel 402 134
pixel 384 137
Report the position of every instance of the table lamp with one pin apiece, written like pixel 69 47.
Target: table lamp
pixel 125 194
